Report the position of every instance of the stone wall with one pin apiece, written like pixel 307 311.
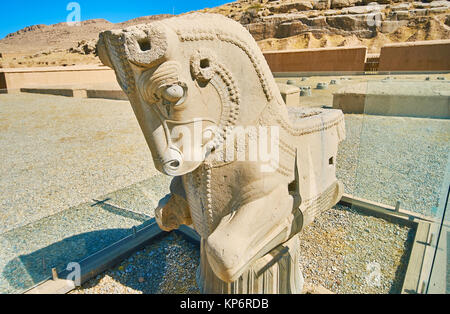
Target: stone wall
pixel 15 79
pixel 320 60
pixel 416 56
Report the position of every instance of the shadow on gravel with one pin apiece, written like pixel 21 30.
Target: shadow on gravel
pixel 25 271
pixel 166 266
pixel 400 273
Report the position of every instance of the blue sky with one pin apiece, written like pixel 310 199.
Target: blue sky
pixel 17 14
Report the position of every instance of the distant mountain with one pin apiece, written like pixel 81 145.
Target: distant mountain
pixel 62 36
pixel 276 25
pixel 296 24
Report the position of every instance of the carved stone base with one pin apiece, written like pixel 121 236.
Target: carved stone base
pixel 277 272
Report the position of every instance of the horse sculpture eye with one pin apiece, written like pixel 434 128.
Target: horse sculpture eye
pixel 173 94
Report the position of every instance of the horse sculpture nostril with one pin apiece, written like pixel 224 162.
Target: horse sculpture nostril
pixel 172 167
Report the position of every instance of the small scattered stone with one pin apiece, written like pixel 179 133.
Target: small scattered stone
pixel 159 268
pixel 305 91
pixel 322 86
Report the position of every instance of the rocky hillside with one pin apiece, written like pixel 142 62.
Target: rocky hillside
pixel 276 25
pixel 280 25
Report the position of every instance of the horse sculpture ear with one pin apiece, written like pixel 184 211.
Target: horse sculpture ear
pixel 146 45
pixel 203 65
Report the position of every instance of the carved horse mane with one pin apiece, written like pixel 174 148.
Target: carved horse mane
pixel 214 32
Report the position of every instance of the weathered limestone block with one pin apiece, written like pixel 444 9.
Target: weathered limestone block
pixel 280 18
pixel 363 9
pixel 400 6
pixel 421 5
pixel 379 1
pixel 290 94
pixel 339 4
pixel 288 29
pixel 437 10
pixel 332 12
pixel 321 4
pixel 262 30
pixel 248 174
pixel 353 22
pixel 439 4
pixel 277 26
pixel 418 12
pixel 316 22
pixel 391 26
pixel 402 15
pixel 288 7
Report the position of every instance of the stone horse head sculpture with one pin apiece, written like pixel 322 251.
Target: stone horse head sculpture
pixel 203 93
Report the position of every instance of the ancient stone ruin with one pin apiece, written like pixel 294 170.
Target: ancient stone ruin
pixel 204 97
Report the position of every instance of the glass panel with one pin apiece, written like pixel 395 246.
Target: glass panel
pixel 349 249
pixel 403 158
pixel 403 151
pixel 439 281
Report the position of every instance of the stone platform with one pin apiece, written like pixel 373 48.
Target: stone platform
pixel 389 97
pixel 106 91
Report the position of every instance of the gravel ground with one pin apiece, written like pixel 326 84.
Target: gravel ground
pixel 28 253
pixel 58 152
pixel 336 250
pixel 344 249
pixel 168 266
pixel 390 159
pixel 348 153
